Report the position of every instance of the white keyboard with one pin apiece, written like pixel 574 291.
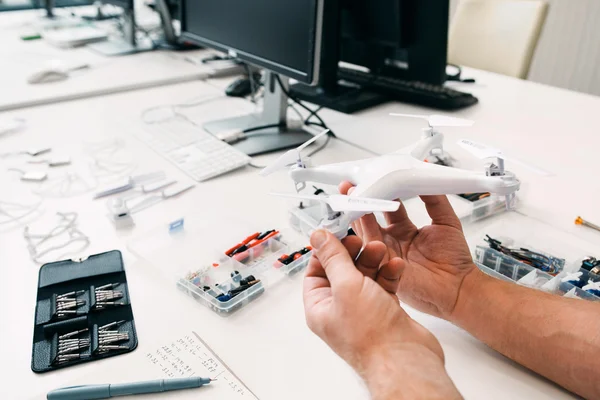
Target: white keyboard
pixel 193 150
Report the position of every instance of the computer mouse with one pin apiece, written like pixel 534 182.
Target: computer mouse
pixel 239 88
pixel 47 76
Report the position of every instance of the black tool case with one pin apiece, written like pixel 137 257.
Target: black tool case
pixel 74 323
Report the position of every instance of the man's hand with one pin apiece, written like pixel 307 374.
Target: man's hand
pixel 350 303
pixel 436 257
pixel 438 276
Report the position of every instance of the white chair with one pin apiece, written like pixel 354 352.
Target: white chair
pixel 496 35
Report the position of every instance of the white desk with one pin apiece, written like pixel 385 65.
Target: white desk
pixel 267 344
pixel 106 75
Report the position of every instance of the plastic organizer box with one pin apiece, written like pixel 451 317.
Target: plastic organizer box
pixel 196 263
pixel 516 230
pixel 506 268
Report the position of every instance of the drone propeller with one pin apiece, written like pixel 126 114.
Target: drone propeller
pixel 438 121
pixel 291 156
pixel 342 203
pixel 482 152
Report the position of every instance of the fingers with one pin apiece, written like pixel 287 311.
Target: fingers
pixel 357 228
pixel 441 212
pixel 353 244
pixel 371 231
pixel 370 259
pixel 400 218
pixel 335 260
pixel 367 226
pixel 389 274
pixel 345 187
pixel 315 269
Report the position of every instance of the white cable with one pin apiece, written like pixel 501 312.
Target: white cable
pixel 173 108
pixel 67 226
pixel 110 160
pixel 16 212
pixel 67 185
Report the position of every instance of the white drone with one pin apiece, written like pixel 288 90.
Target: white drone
pixel 379 181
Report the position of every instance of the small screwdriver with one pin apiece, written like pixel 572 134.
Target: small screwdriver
pixel 583 222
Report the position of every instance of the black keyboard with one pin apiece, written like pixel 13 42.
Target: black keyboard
pixel 413 92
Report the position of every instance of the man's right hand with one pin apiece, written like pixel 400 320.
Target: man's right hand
pixel 437 257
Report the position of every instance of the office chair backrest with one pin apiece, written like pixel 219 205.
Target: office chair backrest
pixel 496 35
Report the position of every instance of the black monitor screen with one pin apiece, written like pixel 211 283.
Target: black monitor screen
pixel 126 4
pixel 279 35
pixel 18 5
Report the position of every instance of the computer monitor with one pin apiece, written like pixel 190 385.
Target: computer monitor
pixel 20 5
pixel 170 17
pixel 404 39
pixel 128 44
pixel 283 37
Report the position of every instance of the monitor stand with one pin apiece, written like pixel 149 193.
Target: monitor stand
pixel 128 44
pixel 274 112
pixel 170 40
pixel 100 15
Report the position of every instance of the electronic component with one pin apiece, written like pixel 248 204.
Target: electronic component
pixel 244 284
pixel 130 183
pixel 591 265
pixel 288 259
pixel 56 161
pixel 193 150
pixel 578 279
pixel 176 225
pixel 473 197
pixel 34 176
pixel 541 261
pixel 592 288
pixel 240 250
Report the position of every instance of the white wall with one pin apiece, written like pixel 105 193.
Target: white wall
pixel 568 54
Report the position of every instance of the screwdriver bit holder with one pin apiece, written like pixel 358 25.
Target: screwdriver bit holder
pixel 83 312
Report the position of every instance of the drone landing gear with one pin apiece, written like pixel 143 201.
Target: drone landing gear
pixel 497 169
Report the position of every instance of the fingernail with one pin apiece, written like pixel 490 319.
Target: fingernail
pixel 318 238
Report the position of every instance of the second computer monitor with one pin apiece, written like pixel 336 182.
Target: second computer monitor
pixel 405 39
pixel 281 36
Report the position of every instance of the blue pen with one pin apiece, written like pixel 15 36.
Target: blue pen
pixel 95 392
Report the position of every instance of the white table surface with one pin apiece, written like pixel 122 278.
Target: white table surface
pixel 268 344
pixel 19 59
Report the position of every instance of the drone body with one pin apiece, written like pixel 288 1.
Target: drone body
pixel 380 181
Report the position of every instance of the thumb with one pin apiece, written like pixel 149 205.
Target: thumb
pixel 335 259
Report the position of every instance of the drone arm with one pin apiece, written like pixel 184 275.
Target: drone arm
pixel 332 174
pixel 436 180
pixel 431 179
pixel 423 148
